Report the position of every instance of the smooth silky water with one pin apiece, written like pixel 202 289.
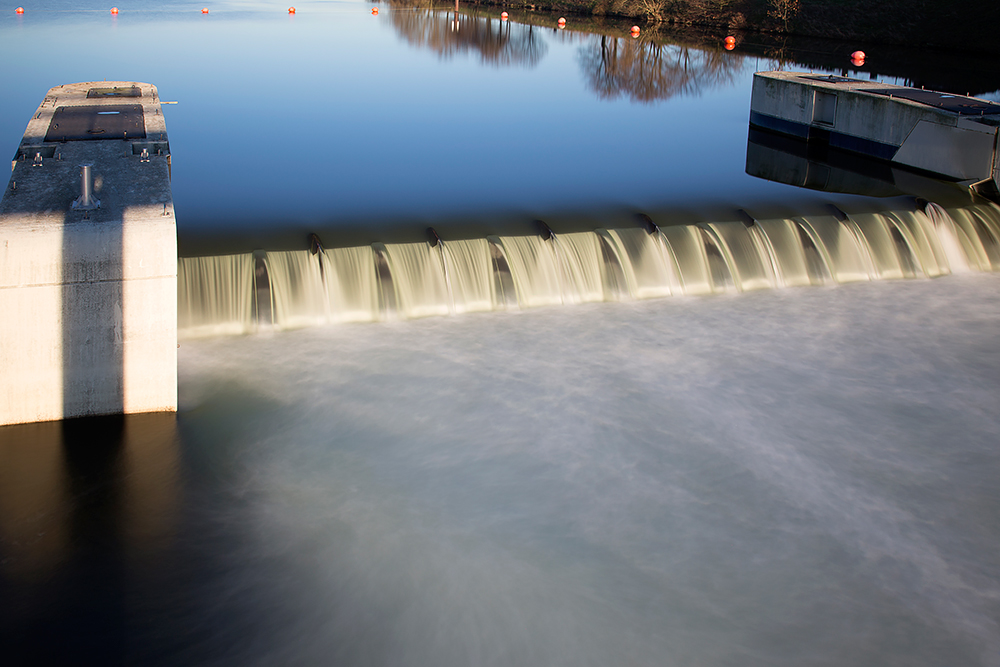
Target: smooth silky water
pixel 712 444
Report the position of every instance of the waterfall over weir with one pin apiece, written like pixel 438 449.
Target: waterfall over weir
pixel 233 294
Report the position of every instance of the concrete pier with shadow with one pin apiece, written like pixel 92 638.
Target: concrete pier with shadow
pixel 948 136
pixel 88 259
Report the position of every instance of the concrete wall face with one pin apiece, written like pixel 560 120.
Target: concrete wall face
pixel 964 153
pixel 782 99
pixel 876 118
pixel 88 299
pixel 881 119
pixel 996 158
pixel 859 116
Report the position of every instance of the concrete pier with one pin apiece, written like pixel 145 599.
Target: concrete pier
pixel 947 135
pixel 88 262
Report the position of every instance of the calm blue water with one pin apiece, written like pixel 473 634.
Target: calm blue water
pixel 787 477
pixel 331 115
pixel 336 117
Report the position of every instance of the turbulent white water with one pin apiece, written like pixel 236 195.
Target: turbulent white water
pixel 419 280
pixel 784 477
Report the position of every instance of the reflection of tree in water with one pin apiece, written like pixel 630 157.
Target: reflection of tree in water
pixel 498 43
pixel 645 71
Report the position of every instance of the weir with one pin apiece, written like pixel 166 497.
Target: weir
pixel 88 260
pixel 385 281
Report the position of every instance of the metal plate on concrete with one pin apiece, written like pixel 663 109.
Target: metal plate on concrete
pixel 117 121
pixel 115 91
pixel 963 106
pixel 831 78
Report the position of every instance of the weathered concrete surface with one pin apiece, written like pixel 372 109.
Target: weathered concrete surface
pixel 853 117
pixel 88 299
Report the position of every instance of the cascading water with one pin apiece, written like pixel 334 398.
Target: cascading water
pixel 298 291
pixel 648 269
pixel 352 284
pixel 412 280
pixel 470 275
pixel 419 277
pixel 215 295
pixel 583 272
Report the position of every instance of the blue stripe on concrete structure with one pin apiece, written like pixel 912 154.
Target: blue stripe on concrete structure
pixel 779 125
pixel 813 133
pixel 866 146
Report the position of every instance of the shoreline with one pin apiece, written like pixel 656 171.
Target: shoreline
pixel 947 71
pixel 899 23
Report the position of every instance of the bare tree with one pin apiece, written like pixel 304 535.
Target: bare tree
pixel 498 43
pixel 646 71
pixel 783 11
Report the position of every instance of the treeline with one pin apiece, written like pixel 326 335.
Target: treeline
pixel 965 25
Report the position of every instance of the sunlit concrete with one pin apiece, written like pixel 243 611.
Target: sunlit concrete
pixel 88 297
pixel 849 114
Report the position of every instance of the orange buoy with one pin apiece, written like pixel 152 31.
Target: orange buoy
pixel 374 11
pixel 635 31
pixel 19 10
pixel 858 55
pixel 503 16
pixel 204 10
pixel 730 40
pixel 114 11
pixel 291 10
pixel 561 21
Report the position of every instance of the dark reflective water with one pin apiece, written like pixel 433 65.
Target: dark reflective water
pixel 90 511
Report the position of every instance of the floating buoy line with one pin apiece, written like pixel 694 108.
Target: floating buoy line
pixel 115 11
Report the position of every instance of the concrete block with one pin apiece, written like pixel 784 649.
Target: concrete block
pixel 89 296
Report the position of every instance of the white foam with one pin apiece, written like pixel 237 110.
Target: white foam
pixel 760 479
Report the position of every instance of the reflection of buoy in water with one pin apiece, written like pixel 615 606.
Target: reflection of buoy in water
pixel 291 10
pixel 729 46
pixel 635 31
pixel 858 62
pixel 114 11
pixel 730 40
pixel 374 11
pixel 503 16
pixel 19 10
pixel 204 10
